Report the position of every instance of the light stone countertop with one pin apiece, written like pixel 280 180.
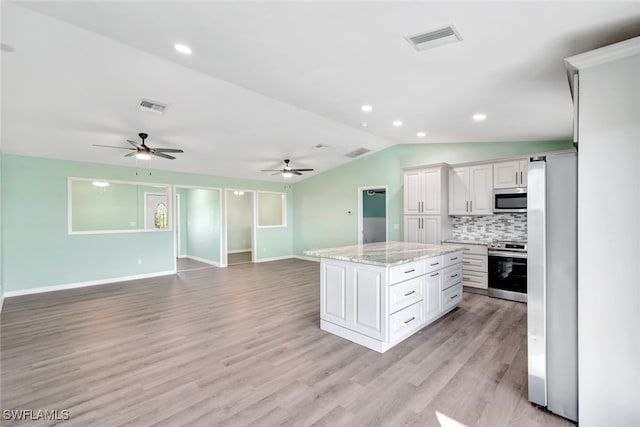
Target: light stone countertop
pixel 384 254
pixel 465 241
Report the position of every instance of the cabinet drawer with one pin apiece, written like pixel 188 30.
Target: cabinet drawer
pixel 452 258
pixel 407 271
pixel 406 320
pixel 475 279
pixel 452 296
pixel 406 293
pixel 474 262
pixel 432 264
pixel 475 249
pixel 451 276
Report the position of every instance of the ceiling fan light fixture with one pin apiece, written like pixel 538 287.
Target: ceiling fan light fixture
pixel 143 156
pixel 287 174
pixel 182 48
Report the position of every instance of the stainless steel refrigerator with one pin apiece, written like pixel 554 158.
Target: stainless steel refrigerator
pixel 552 283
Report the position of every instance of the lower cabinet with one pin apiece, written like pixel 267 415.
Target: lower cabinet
pixel 475 266
pixel 378 307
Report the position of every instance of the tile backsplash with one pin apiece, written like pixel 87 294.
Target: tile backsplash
pixel 503 226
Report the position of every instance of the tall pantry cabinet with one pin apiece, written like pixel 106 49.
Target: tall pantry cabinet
pixel 426 217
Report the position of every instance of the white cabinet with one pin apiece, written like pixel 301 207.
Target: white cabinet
pixel 511 174
pixel 471 190
pixel 378 307
pixel 422 229
pixel 475 265
pixel 425 205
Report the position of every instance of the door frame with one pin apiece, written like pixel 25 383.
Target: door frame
pixel 360 212
pixel 175 211
pixel 254 222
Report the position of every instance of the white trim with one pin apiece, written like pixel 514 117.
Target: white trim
pixel 306 258
pixel 239 251
pixel 361 213
pixel 604 54
pixel 204 260
pixel 1 302
pixel 275 258
pixel 86 284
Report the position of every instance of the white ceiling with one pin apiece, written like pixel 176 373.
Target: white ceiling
pixel 269 80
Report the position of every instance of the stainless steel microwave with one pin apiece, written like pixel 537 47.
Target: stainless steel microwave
pixel 510 200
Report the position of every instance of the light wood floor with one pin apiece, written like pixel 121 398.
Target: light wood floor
pixel 241 346
pixel 238 258
pixel 185 264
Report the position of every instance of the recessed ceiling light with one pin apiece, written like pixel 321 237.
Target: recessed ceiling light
pixel 363 124
pixel 183 48
pixel 397 123
pixel 143 156
pixel 366 108
pixel 421 134
pixel 479 117
pixel 101 184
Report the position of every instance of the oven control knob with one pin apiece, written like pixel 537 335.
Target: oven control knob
pixel 492 245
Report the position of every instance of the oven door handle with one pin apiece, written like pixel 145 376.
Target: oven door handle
pixel 501 254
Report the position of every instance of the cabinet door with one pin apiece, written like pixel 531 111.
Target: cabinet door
pixel 458 191
pixel 431 192
pixel 432 300
pixel 367 284
pixel 413 231
pixel 481 190
pixel 333 289
pixel 431 230
pixel 506 174
pixel 413 192
pixel 524 170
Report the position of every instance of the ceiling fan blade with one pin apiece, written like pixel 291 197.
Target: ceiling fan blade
pixel 135 144
pixel 271 170
pixel 303 170
pixel 113 146
pixel 164 156
pixel 131 154
pixel 295 172
pixel 277 173
pixel 169 150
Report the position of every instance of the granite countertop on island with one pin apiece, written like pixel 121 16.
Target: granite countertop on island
pixel 384 254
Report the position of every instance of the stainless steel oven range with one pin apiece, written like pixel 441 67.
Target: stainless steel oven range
pixel 508 270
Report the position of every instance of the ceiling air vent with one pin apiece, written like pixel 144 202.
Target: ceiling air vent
pixel 152 106
pixel 357 153
pixel 434 38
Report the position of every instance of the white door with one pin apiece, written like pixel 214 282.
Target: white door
pixel 506 174
pixel 481 190
pixel 413 232
pixel 366 288
pixel 156 211
pixel 412 192
pixel 431 230
pixel 458 190
pixel 431 192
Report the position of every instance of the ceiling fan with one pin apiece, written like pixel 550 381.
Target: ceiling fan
pixel 144 152
pixel 287 171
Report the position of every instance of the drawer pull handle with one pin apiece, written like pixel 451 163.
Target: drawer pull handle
pixel 454 258
pixel 434 264
pixel 410 271
pixel 454 275
pixel 451 297
pixel 435 274
pixel 409 293
pixel 411 320
pixel 466 262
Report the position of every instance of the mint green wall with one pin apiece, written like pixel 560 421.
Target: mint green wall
pixel 321 202
pixel 184 235
pixel 373 205
pixel 34 226
pixel 203 228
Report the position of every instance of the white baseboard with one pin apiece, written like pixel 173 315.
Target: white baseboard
pixel 238 251
pixel 204 260
pixel 9 294
pixel 276 258
pixel 1 302
pixel 307 258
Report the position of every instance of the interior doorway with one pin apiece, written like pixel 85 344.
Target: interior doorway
pixel 372 214
pixel 198 228
pixel 240 222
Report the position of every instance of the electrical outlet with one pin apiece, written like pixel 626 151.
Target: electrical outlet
pixel 396 226
pixel 465 229
pixel 139 261
pixel 264 249
pixel 483 229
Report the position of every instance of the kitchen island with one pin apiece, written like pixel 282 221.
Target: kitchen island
pixel 379 294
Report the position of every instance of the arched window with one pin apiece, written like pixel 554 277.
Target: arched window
pixel 161 219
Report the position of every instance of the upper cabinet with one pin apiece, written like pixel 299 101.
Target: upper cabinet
pixel 423 192
pixel 511 174
pixel 470 190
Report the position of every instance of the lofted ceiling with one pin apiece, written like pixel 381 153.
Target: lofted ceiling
pixel 271 80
